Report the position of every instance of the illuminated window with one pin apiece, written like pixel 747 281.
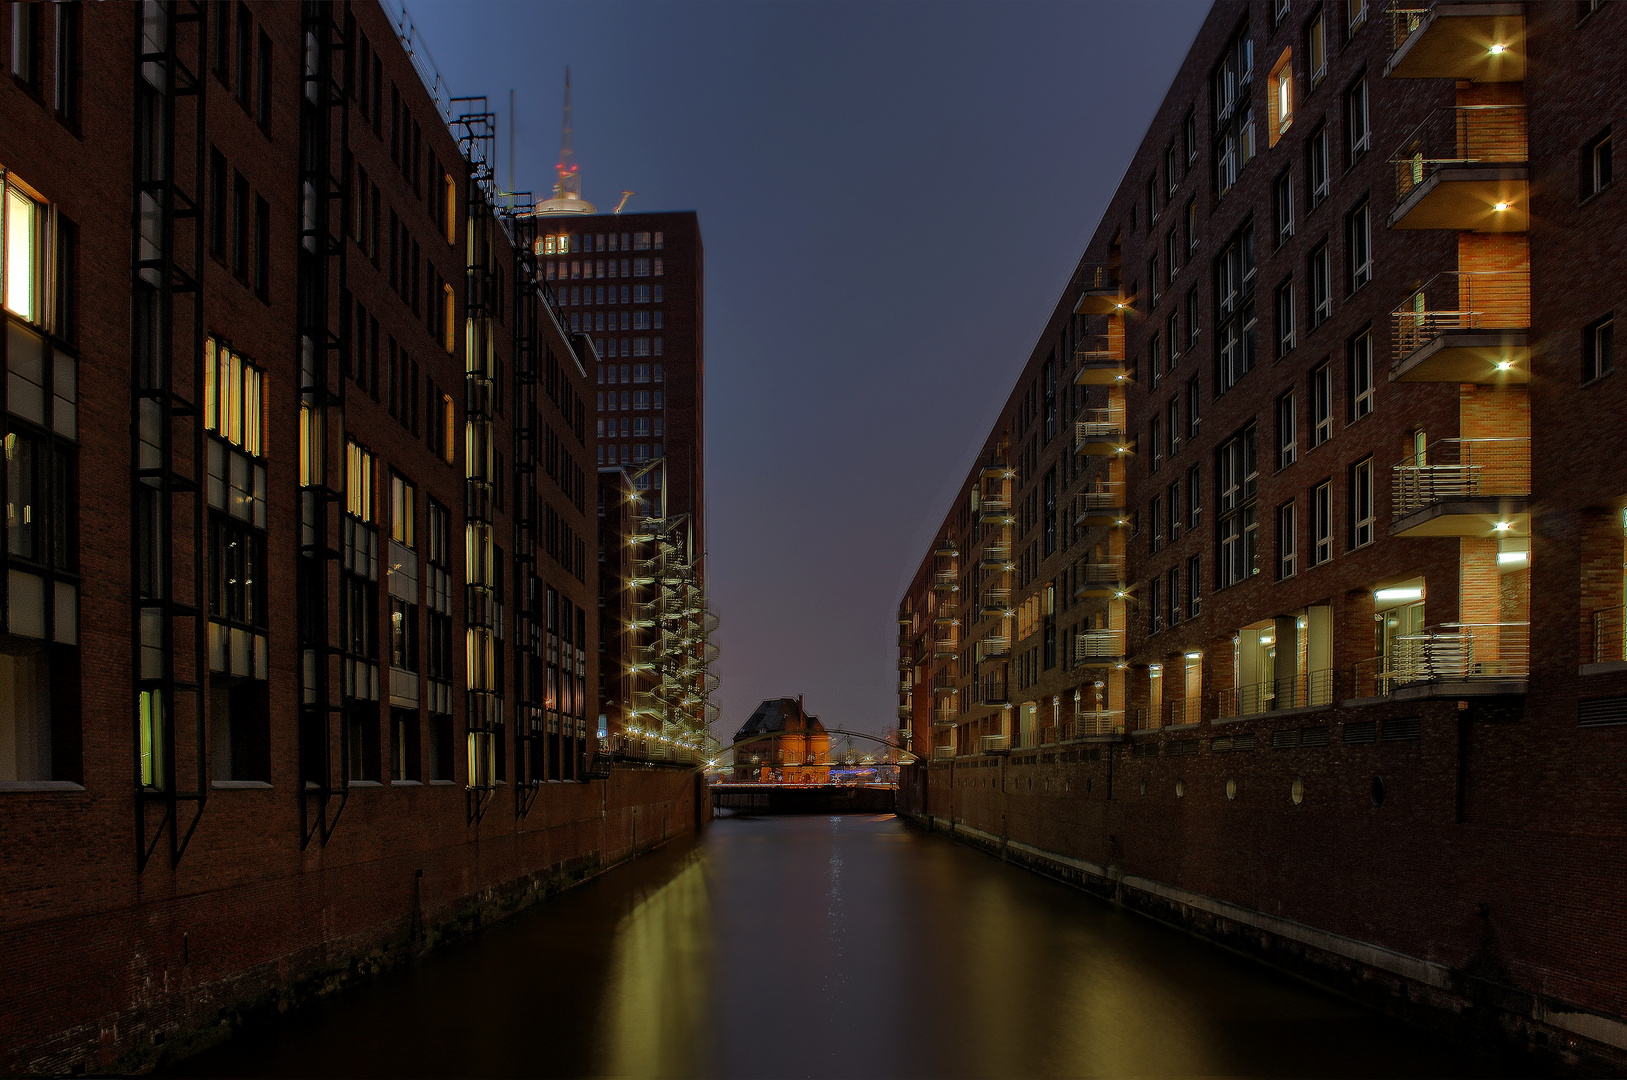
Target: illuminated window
pixel 403 511
pixel 448 319
pixel 1316 38
pixel 233 390
pixel 1281 105
pixel 358 482
pixel 25 234
pixel 451 203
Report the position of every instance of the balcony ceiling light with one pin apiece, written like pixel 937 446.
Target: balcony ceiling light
pixel 1500 207
pixel 1503 526
pixel 1505 365
pixel 1498 49
pixel 1504 557
pixel 1194 656
pixel 1411 593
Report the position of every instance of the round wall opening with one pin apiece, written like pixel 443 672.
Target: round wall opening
pixel 1296 791
pixel 1231 789
pixel 1378 791
pixel 1180 788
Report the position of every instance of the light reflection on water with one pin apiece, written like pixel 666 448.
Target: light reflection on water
pixel 824 946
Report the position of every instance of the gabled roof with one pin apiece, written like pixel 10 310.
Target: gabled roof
pixel 778 714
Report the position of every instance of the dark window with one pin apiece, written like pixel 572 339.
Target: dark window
pixel 67 62
pixel 240 225
pixel 1234 309
pixel 1599 348
pixel 1597 167
pixel 262 105
pixel 220 51
pixel 25 42
pixel 1235 488
pixel 217 203
pixel 245 58
pixel 262 248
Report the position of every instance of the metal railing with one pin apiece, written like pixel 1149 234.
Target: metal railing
pixel 945 579
pixel 991 744
pixel 905 686
pixel 995 555
pixel 1026 740
pixel 906 712
pixel 1452 652
pixel 994 647
pixel 1099 350
pixel 1609 634
pixel 1461 469
pixel 1105 497
pixel 992 504
pixel 1404 20
pixel 1188 710
pixel 993 691
pixel 1098 277
pixel 1288 692
pixel 945 717
pixel 1096 644
pixel 1103 424
pixel 1097 723
pixel 1461 300
pixel 905 663
pixel 994 601
pixel 943 753
pixel 944 682
pixel 1108 572
pixel 945 646
pixel 1459 136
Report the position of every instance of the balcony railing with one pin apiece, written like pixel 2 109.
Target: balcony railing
pixel 1453 652
pixel 994 647
pixel 906 712
pixel 1404 19
pixel 1461 300
pixel 1103 424
pixel 1609 638
pixel 995 555
pixel 945 717
pixel 1288 692
pixel 905 686
pixel 945 646
pixel 944 683
pixel 993 692
pixel 994 601
pixel 945 580
pixel 1461 469
pixel 905 663
pixel 943 753
pixel 1460 136
pixel 994 504
pixel 1098 644
pixel 1099 350
pixel 1106 573
pixel 1098 723
pixel 994 744
pixel 1106 500
pixel 1026 740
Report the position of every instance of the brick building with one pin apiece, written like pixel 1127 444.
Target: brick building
pixel 1291 567
pixel 299 627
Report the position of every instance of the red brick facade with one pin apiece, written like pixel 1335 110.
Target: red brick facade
pixel 300 653
pixel 1393 741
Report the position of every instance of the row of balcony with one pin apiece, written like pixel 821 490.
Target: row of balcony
pixel 1463 487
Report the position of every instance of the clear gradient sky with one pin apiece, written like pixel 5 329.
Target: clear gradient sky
pixel 892 196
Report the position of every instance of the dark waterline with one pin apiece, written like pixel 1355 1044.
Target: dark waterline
pixel 831 947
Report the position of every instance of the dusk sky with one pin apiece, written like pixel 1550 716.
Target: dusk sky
pixel 892 197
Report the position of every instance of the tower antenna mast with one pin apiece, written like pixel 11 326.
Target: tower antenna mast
pixel 567 183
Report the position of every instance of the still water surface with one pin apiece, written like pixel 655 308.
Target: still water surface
pixel 830 947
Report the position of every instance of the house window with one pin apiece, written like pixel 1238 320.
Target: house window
pixel 1597 167
pixel 1175 510
pixel 1281 89
pixel 1154 281
pixel 262 248
pixel 1174 425
pixel 1321 291
pixel 403 511
pixel 1316 149
pixel 1155 514
pixel 1192 591
pixel 1285 318
pixel 1599 348
pixel 1322 523
pixel 1172 257
pixel 262 106
pixel 240 226
pixel 1359 227
pixel 1321 405
pixel 1286 541
pixel 1191 227
pixel 1233 112
pixel 1355 14
pixel 1155 362
pixel 1174 336
pixel 1171 181
pixel 1282 200
pixel 1317 45
pixel 1361 375
pixel 1356 119
pixel 24 267
pixel 1189 136
pixel 1235 484
pixel 1155 606
pixel 1287 431
pixel 1155 436
pixel 1152 200
pixel 1194 405
pixel 1192 317
pixel 25 34
pixel 1234 309
pixel 1194 498
pixel 67 62
pixel 1361 503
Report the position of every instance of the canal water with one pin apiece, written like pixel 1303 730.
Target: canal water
pixel 850 946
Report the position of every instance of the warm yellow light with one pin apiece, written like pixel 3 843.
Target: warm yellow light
pixel 1496 49
pixel 1500 207
pixel 1503 526
pixel 1504 365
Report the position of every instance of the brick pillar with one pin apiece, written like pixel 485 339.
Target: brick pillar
pixel 1479 593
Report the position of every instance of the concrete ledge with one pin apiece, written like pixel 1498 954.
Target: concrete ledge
pixel 1604 667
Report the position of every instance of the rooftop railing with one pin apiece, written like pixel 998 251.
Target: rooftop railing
pixel 1461 469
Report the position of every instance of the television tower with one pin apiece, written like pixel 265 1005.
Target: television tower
pixel 567 184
